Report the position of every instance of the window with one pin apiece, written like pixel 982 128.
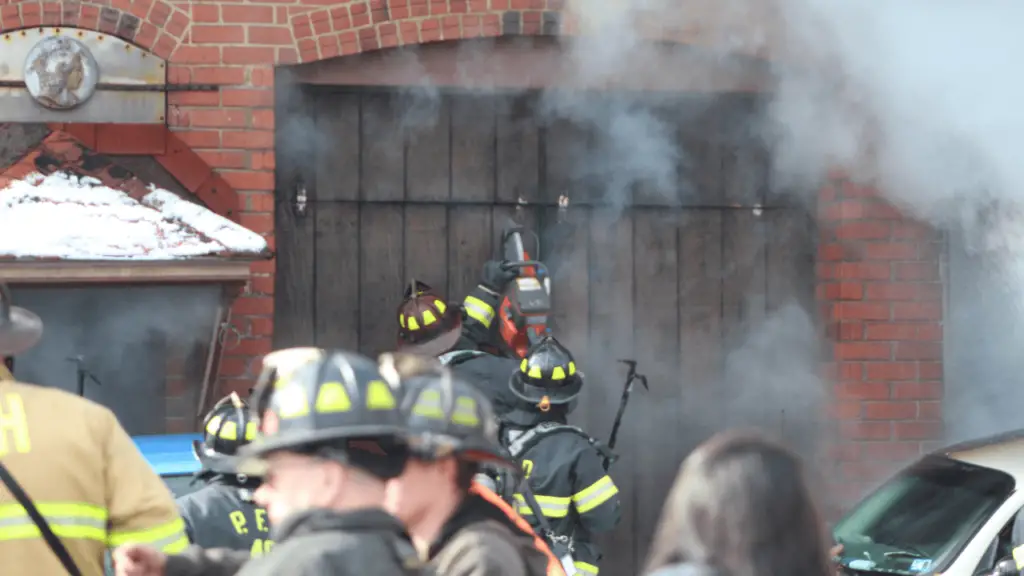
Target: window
pixel 923 517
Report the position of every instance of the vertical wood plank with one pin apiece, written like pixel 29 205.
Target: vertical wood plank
pixel 383 148
pixel 469 246
pixel 337 168
pixel 294 293
pixel 743 306
pixel 381 276
pixel 746 174
pixel 654 415
pixel 338 280
pixel 660 181
pixel 611 338
pixel 428 154
pixel 474 134
pixel 518 148
pixel 701 155
pixel 566 253
pixel 566 154
pixel 701 356
pixel 426 247
pixel 791 335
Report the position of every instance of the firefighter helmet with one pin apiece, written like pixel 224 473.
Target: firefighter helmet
pixel 547 375
pixel 20 329
pixel 313 400
pixel 427 325
pixel 444 415
pixel 226 428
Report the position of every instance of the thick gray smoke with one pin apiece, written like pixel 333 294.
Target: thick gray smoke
pixel 126 337
pixel 920 98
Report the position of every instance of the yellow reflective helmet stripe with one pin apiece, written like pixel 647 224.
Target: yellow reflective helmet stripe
pixel 534 372
pixel 413 324
pixel 228 431
pixel 428 318
pixel 401 320
pixel 441 306
pixel 169 538
pixel 479 310
pixel 428 405
pixel 331 398
pixel 558 373
pixel 594 495
pixel 250 430
pixel 466 412
pixel 572 368
pixel 379 396
pixel 213 425
pixel 524 365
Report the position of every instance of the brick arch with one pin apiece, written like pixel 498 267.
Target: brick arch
pixel 170 151
pixel 361 27
pixel 153 25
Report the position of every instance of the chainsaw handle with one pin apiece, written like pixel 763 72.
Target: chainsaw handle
pixel 541 268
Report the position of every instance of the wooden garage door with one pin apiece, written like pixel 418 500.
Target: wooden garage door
pixel 705 280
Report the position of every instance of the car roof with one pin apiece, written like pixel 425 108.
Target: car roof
pixel 169 454
pixel 1003 452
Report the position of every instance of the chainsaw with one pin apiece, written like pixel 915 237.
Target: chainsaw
pixel 524 308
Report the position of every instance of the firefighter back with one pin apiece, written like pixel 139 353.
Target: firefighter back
pixel 218 516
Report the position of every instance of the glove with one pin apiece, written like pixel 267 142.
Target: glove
pixel 497 276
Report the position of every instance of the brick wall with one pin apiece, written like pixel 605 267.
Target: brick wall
pixel 879 275
pixel 880 292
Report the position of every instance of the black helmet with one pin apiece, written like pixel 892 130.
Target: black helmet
pixel 226 428
pixel 547 375
pixel 332 403
pixel 443 414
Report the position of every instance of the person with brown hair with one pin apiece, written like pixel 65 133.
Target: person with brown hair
pixel 740 506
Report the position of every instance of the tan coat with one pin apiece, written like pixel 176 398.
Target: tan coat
pixel 85 475
pixel 489 548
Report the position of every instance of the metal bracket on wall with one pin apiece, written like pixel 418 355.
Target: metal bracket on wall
pixel 136 88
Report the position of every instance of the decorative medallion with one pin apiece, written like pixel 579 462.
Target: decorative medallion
pixel 61 73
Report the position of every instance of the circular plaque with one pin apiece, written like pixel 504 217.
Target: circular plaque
pixel 60 73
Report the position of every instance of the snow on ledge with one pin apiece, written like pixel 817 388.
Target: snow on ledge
pixel 66 217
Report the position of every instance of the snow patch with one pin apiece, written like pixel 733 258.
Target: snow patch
pixel 78 218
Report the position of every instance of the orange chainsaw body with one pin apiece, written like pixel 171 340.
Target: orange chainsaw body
pixel 515 324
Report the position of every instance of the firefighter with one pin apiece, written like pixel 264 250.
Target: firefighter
pixel 564 466
pixel 330 437
pixel 464 338
pixel 222 514
pixel 72 481
pixel 462 527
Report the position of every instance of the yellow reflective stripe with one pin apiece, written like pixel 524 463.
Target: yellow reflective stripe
pixel 479 310
pixel 66 519
pixel 594 495
pixel 550 506
pixel 1018 557
pixel 584 568
pixel 166 537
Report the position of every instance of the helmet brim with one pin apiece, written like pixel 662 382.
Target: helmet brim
pixel 251 459
pixel 22 333
pixel 516 381
pixel 437 346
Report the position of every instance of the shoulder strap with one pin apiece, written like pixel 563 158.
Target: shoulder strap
pixel 56 546
pixel 457 357
pixel 531 437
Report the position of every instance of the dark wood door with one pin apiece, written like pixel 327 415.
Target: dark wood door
pixel 692 266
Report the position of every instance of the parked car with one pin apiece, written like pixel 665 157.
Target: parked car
pixel 950 513
pixel 172 458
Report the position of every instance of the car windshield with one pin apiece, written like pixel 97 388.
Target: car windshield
pixel 181 484
pixel 920 519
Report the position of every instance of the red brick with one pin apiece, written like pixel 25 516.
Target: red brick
pixel 900 291
pixel 862 230
pixel 841 291
pixel 219 118
pixel 929 410
pixel 892 451
pixel 861 391
pixel 862 351
pixel 246 98
pixel 917 430
pixel 917 311
pixel 929 370
pixel 249 180
pixel 248 139
pixel 844 410
pixel 926 271
pixel 247 14
pixel 890 331
pixel 203 34
pixel 261 326
pixel 274 35
pixel 254 306
pixel 859 271
pixel 251 347
pixel 918 351
pixel 262 285
pixel 917 390
pixel 890 410
pixel 248 55
pixel 889 371
pixel 205 13
pixel 259 223
pixel 890 250
pixel 860 311
pixel 865 430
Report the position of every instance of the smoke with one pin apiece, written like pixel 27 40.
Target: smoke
pixel 129 339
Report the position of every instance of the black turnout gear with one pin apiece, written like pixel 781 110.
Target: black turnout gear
pixel 547 376
pixel 221 515
pixel 333 404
